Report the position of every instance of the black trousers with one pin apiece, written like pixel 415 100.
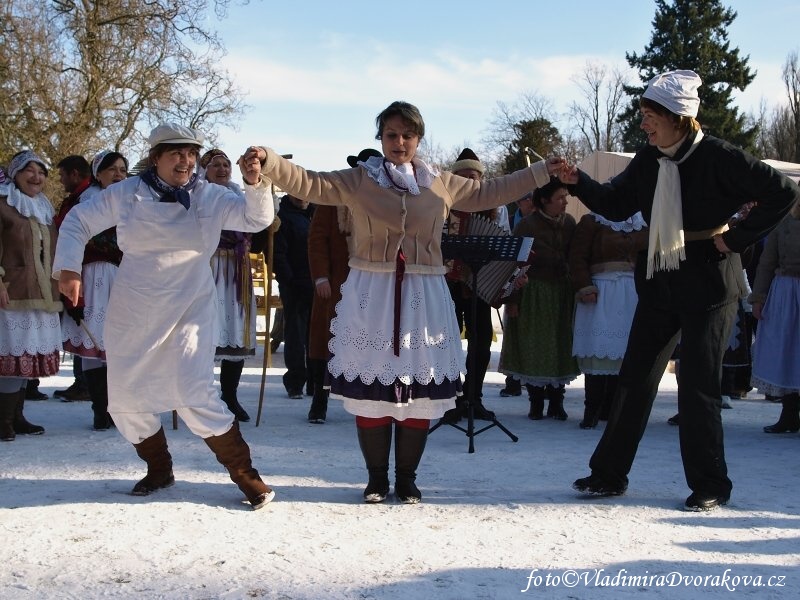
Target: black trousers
pixel 296 302
pixel 654 334
pixel 479 336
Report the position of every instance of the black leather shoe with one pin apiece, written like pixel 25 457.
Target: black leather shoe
pixel 699 502
pixel 508 391
pixel 594 485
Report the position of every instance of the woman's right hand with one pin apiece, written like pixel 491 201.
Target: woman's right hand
pixel 69 284
pixel 3 296
pixel 324 289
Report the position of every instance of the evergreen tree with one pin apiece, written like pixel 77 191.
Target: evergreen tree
pixel 692 34
pixel 539 134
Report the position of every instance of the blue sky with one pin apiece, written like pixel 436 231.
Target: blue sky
pixel 317 72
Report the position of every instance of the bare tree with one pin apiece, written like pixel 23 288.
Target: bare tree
pixel 605 99
pixel 82 75
pixel 791 79
pixel 503 131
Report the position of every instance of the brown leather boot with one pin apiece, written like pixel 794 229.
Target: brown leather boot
pixel 8 406
pixel 21 424
pixel 154 452
pixel 233 453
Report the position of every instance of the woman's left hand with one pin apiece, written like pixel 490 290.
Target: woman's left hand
pixel 250 164
pixel 3 296
pixel 720 244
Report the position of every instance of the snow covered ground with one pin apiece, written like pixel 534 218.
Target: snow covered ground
pixel 491 525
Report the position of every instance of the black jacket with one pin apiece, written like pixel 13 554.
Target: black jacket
pixel 291 246
pixel 716 180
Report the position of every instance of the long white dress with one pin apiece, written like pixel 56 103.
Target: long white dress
pixel 160 329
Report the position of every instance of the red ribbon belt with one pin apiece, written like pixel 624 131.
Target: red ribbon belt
pixel 400 270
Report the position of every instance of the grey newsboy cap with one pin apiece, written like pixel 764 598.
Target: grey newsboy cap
pixel 172 133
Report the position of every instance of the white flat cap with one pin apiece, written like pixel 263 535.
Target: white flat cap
pixel 172 133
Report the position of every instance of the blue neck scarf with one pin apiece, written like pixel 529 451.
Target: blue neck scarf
pixel 168 192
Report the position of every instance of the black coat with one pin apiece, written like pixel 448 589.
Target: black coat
pixel 291 246
pixel 716 180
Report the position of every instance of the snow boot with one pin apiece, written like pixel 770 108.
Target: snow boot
pixel 154 452
pixel 8 406
pixel 97 383
pixel 555 406
pixel 409 444
pixel 536 396
pixel 789 421
pixel 21 424
pixel 233 453
pixel 594 393
pixel 230 373
pixel 376 443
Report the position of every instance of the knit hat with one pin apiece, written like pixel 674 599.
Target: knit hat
pixel 467 160
pixel 676 91
pixel 363 156
pixel 172 133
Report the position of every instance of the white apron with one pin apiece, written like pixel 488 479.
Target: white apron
pixel 160 327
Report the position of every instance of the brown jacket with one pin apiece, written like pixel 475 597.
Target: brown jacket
pixel 551 240
pixel 327 257
pixel 28 278
pixel 386 220
pixel 596 248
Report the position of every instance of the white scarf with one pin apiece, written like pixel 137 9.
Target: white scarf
pixel 666 248
pixel 406 178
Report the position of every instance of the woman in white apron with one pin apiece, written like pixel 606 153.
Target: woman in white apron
pixel 160 327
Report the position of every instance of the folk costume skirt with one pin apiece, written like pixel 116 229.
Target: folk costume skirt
pixel 422 380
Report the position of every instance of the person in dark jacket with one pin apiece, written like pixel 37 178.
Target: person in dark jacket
pixel 687 186
pixel 296 290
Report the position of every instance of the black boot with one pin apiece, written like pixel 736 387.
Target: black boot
pixel 21 424
pixel 594 393
pixel 97 382
pixel 230 372
pixel 8 406
pixel 536 397
pixel 319 403
pixel 555 406
pixel 409 444
pixel 789 421
pixel 32 391
pixel 481 412
pixel 154 452
pixel 454 415
pixel 513 387
pixel 376 443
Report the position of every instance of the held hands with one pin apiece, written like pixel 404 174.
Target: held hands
pixel 3 296
pixel 559 167
pixel 590 298
pixel 69 284
pixel 250 164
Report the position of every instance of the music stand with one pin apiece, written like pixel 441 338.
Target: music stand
pixel 476 251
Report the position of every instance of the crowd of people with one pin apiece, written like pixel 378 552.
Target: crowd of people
pixel 147 281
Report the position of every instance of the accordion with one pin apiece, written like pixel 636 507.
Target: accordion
pixel 473 239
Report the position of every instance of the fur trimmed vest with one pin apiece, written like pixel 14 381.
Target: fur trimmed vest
pixel 26 261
